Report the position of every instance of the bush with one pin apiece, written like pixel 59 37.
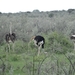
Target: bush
pixel 51 15
pixel 59 43
pixel 20 46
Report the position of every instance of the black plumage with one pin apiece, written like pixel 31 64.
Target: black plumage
pixel 39 40
pixel 10 37
pixel 72 37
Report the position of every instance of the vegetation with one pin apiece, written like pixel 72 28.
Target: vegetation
pixel 58 56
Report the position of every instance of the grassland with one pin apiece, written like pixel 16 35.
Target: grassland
pixel 24 61
pixel 58 56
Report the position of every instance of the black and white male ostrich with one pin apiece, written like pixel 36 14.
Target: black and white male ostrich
pixel 72 37
pixel 39 42
pixel 10 38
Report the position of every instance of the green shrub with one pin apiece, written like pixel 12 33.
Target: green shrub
pixel 20 47
pixel 59 43
pixel 51 15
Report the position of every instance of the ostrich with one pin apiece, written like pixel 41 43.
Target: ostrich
pixel 72 37
pixel 39 42
pixel 10 38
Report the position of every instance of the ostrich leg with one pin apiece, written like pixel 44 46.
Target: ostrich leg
pixel 8 47
pixel 39 48
pixel 13 46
